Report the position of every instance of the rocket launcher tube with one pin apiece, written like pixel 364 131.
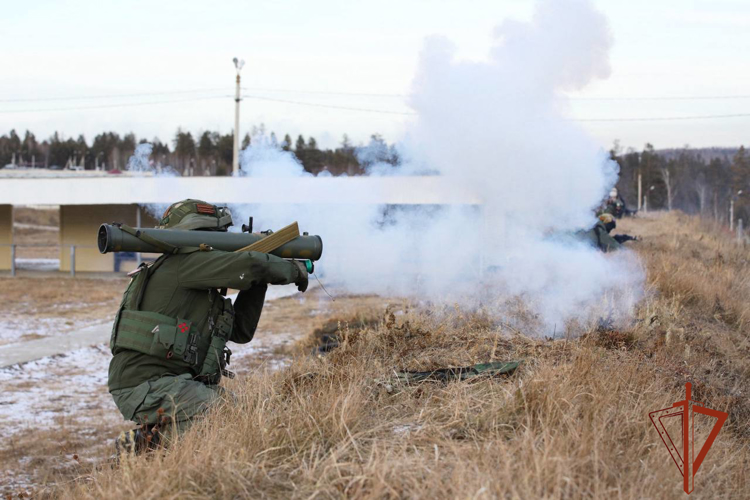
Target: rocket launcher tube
pixel 111 238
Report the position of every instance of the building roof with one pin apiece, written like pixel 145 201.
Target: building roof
pixel 121 190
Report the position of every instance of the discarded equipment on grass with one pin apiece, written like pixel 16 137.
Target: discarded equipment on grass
pixel 492 368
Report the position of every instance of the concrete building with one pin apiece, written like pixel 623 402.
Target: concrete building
pixel 87 201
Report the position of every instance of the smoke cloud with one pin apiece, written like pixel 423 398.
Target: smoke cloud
pixel 497 127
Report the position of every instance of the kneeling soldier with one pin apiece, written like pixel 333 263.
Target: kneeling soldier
pixel 170 333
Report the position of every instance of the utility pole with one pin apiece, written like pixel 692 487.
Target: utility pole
pixel 236 158
pixel 640 191
pixel 731 214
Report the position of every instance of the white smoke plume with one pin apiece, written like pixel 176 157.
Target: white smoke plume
pixel 499 127
pixel 141 164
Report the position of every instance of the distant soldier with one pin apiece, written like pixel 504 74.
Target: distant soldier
pixel 599 234
pixel 170 333
pixel 614 205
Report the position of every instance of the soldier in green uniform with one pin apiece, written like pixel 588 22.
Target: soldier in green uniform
pixel 170 333
pixel 599 234
pixel 614 205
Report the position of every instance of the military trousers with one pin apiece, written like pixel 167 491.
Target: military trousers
pixel 180 397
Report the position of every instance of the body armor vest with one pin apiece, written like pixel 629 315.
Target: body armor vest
pixel 175 339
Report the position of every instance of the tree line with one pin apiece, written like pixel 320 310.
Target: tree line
pixel 207 153
pixel 697 181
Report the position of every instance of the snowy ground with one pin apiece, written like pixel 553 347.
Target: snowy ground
pixel 45 390
pixel 17 328
pixel 35 227
pixel 54 390
pixel 38 264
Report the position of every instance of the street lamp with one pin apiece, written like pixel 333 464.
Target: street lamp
pixel 238 64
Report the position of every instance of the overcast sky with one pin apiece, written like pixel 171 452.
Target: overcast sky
pixel 295 50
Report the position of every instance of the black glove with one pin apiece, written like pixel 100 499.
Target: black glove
pixel 301 280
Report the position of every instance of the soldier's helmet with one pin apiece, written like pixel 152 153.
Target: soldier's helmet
pixel 195 215
pixel 608 220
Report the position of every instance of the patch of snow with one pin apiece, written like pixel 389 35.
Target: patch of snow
pixel 14 327
pixel 406 429
pixel 53 391
pixel 38 264
pixel 36 227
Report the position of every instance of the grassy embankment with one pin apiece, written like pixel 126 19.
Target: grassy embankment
pixel 572 422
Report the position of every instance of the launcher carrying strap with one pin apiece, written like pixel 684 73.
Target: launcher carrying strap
pixel 165 247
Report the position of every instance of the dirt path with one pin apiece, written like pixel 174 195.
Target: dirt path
pixel 13 354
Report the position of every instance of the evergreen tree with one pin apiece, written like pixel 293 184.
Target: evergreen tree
pixel 184 148
pixel 313 157
pixel 287 144
pixel 205 145
pixel 299 149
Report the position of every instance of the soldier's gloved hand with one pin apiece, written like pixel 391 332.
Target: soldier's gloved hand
pixel 301 280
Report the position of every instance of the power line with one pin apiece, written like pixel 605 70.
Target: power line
pixel 357 109
pixel 406 113
pixel 324 92
pixel 662 119
pixel 109 96
pixel 331 106
pixel 663 98
pixel 359 94
pixel 572 98
pixel 117 105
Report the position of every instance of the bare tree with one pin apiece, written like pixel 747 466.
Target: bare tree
pixel 669 184
pixel 702 190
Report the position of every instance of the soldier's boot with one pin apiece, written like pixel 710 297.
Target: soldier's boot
pixel 136 441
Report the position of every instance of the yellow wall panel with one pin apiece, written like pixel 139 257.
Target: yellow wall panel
pixel 6 235
pixel 79 225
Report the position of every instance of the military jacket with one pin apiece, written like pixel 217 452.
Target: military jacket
pixel 179 288
pixel 599 237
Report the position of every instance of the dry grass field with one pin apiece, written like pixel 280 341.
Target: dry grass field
pixel 571 422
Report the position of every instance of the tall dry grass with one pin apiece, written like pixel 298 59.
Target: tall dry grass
pixel 572 422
